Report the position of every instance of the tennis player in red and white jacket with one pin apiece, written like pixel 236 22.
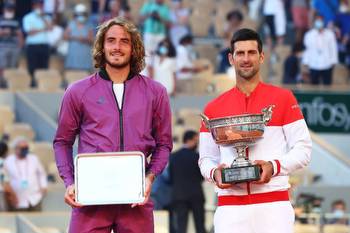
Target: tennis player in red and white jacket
pixel 261 206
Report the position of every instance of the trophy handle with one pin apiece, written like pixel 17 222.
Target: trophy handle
pixel 267 113
pixel 206 120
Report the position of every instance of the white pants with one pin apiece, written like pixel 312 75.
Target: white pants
pixel 273 217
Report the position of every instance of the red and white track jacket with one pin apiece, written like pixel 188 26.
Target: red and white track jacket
pixel 286 141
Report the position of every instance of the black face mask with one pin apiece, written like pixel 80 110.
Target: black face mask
pixel 23 152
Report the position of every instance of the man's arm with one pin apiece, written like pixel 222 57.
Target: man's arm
pixel 68 127
pixel 162 134
pixel 298 140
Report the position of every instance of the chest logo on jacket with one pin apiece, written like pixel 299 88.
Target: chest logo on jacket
pixel 101 100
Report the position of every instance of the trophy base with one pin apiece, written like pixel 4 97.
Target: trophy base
pixel 240 174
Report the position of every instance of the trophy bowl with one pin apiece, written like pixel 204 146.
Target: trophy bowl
pixel 239 131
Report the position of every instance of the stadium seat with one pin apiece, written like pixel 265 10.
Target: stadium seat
pixel 340 74
pixel 17 79
pixel 48 79
pixel 50 230
pixel 336 228
pixel 5 230
pixel 7 117
pixel 71 76
pixel 222 83
pixel 20 129
pixel 207 51
pixel 190 117
pixel 306 228
pixel 45 153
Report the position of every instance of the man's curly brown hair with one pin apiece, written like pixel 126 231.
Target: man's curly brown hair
pixel 137 61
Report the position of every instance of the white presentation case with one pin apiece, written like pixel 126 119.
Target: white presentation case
pixel 109 178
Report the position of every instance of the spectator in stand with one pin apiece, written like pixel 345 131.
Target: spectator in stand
pixel 155 16
pixel 37 26
pixel 234 21
pixel 275 19
pixel 325 8
pixel 164 66
pixel 116 10
pixel 320 53
pixel 342 28
pixel 22 9
pixel 179 17
pixel 185 56
pixel 98 9
pixel 79 35
pixel 339 213
pixel 11 40
pixel 26 177
pixel 291 67
pixel 55 9
pixel 300 14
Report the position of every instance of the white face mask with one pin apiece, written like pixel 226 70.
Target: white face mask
pixel 81 18
pixel 319 24
pixel 9 15
pixel 38 11
pixel 338 213
pixel 343 8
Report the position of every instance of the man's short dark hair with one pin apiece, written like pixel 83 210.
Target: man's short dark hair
pixel 246 34
pixel 189 135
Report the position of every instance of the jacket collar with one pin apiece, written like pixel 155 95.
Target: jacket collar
pixel 104 75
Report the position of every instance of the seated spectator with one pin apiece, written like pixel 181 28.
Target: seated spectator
pixel 79 35
pixel 179 17
pixel 37 26
pixel 185 57
pixel 234 21
pixel 291 67
pixel 26 177
pixel 116 10
pixel 300 15
pixel 342 26
pixel 155 17
pixel 11 40
pixel 164 65
pixel 339 212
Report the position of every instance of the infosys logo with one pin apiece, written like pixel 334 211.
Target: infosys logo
pixel 322 113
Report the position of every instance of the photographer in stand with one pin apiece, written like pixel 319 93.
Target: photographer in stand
pixel 155 17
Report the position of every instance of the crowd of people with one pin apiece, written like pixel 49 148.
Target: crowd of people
pixel 166 54
pixel 41 28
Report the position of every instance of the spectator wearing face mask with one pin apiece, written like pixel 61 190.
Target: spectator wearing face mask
pixel 79 35
pixel 338 213
pixel 320 53
pixel 36 26
pixel 26 176
pixel 11 39
pixel 164 65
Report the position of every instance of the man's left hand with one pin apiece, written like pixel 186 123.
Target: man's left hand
pixel 266 171
pixel 150 177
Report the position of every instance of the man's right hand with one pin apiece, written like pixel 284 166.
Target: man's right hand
pixel 218 179
pixel 69 197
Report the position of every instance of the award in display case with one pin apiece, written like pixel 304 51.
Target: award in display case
pixel 109 178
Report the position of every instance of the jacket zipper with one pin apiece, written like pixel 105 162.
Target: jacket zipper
pixel 120 110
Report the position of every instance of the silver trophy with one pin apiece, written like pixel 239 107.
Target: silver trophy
pixel 239 131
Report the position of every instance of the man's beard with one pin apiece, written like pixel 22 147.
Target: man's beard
pixel 118 66
pixel 247 75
